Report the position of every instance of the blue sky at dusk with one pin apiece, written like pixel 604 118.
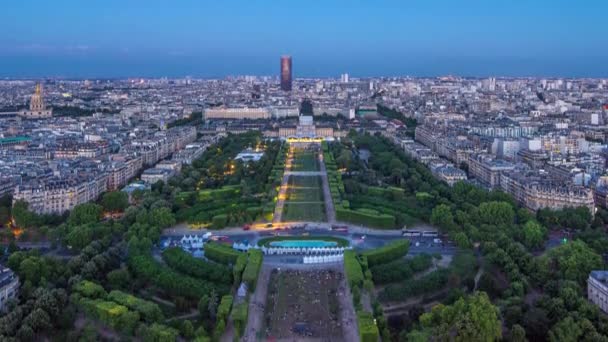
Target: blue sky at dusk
pixel 119 38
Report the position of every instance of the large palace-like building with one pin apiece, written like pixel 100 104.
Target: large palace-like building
pixel 38 109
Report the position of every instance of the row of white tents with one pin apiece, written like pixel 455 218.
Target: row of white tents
pixel 291 250
pixel 323 259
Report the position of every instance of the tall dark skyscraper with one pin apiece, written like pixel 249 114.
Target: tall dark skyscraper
pixel 286 73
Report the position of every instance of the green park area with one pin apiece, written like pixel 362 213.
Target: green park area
pixel 304 160
pixel 219 191
pixel 304 201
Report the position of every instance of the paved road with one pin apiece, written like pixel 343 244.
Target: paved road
pixel 360 238
pixel 304 173
pixel 278 209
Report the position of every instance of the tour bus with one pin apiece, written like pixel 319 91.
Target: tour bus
pixel 337 228
pixel 411 233
pixel 430 234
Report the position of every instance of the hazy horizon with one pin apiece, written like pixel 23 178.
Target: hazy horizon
pixel 474 38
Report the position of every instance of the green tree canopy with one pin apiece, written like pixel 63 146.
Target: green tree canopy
pixel 84 214
pixel 571 261
pixel 533 234
pixel 472 318
pixel 22 216
pixel 496 213
pixel 442 216
pixel 115 201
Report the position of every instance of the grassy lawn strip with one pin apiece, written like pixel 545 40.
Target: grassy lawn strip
pixel 304 199
pixel 294 211
pixel 266 241
pixel 305 188
pixel 305 161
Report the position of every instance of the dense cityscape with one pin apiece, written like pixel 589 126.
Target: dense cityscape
pixel 151 208
pixel 334 171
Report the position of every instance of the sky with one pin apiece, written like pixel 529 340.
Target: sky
pixel 201 38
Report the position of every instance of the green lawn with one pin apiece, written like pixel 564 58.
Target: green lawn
pixel 305 161
pixel 304 199
pixel 305 189
pixel 304 212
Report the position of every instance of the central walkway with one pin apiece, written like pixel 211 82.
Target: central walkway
pixel 330 214
pixel 329 203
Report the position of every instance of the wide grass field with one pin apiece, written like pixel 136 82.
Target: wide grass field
pixel 304 200
pixel 305 161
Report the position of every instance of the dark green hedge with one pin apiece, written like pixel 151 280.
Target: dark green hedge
pixel 354 274
pixel 368 331
pixel 366 218
pixel 391 251
pixel 174 283
pixel 252 270
pixel 184 262
pixel 221 253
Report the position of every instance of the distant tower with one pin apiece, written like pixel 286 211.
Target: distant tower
pixel 286 73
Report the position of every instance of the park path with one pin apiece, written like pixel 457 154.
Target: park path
pixel 330 213
pixel 304 173
pixel 257 303
pixel 278 209
pixel 229 333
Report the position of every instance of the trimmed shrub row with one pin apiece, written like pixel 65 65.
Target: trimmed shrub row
pixel 354 273
pixel 400 270
pixel 221 253
pixel 184 262
pixel 429 283
pixel 150 312
pixel 368 331
pixel 221 193
pixel 112 314
pixel 223 309
pixel 172 282
pixel 239 317
pixel 366 217
pixel 252 270
pixel 391 251
pixel 238 268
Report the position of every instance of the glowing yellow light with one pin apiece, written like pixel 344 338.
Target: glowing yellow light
pixel 17 232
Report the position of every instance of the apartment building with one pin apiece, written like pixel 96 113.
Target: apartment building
pixel 597 289
pixel 237 113
pixel 537 191
pixel 59 194
pixel 487 170
pixel 9 286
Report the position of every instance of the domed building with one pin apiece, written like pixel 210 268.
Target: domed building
pixel 38 109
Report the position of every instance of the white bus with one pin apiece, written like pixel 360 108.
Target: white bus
pixel 430 234
pixel 412 233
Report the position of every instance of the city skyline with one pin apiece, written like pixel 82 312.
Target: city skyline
pixel 113 39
